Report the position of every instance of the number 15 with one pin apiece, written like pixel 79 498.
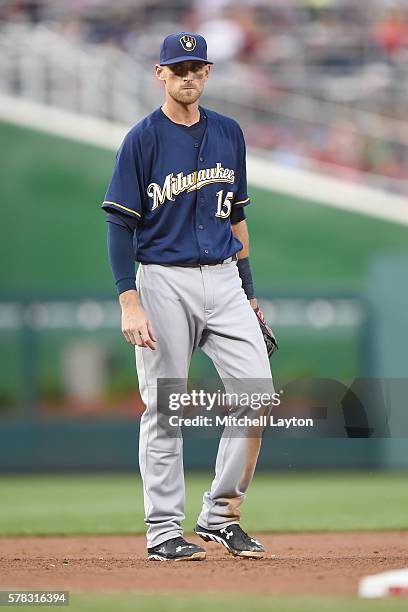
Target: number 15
pixel 224 206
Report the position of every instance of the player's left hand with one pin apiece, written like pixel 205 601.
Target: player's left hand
pixel 268 335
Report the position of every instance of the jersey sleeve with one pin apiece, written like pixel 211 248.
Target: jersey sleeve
pixel 241 197
pixel 115 217
pixel 124 193
pixel 237 214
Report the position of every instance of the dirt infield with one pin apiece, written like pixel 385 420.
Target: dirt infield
pixel 301 563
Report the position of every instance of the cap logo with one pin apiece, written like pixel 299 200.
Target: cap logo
pixel 188 42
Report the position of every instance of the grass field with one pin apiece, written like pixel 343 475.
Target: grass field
pixel 132 602
pixel 113 504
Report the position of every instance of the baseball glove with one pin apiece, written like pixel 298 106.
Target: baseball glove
pixel 268 336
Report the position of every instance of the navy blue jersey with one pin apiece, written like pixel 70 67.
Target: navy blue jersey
pixel 181 192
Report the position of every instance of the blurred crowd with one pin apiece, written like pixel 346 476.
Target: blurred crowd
pixel 338 147
pixel 347 51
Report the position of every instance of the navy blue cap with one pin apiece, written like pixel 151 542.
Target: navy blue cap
pixel 183 46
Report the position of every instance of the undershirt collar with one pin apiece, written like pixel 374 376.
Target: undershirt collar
pixel 196 130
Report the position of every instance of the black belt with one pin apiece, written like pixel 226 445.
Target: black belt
pixel 199 265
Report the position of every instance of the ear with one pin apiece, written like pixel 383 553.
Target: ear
pixel 160 72
pixel 207 71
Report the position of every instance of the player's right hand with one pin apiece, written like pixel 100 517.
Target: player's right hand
pixel 136 327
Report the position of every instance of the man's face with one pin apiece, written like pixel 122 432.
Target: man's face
pixel 184 81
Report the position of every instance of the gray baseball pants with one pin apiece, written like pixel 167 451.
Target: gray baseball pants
pixel 190 307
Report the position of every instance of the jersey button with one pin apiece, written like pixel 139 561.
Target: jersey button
pixel 201 227
pixel 206 251
pixel 196 145
pixel 201 159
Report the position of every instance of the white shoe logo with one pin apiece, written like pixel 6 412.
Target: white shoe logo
pixel 255 542
pixel 229 534
pixel 180 548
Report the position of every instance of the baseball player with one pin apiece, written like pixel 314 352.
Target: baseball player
pixel 175 203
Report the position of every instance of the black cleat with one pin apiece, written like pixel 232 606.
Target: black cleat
pixel 235 540
pixel 176 549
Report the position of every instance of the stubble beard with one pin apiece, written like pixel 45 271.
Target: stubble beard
pixel 187 96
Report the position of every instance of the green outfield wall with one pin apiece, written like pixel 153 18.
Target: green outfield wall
pixel 53 233
pixel 53 244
